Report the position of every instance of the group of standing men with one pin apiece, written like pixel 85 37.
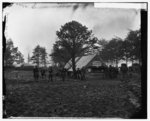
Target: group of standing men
pixel 109 72
pixel 42 73
pixel 112 72
pixel 37 73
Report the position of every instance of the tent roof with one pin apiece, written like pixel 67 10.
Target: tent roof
pixel 83 61
pixel 68 65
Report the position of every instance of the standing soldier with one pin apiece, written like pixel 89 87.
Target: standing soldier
pixel 36 73
pixel 50 70
pixel 124 71
pixel 63 74
pixel 110 71
pixel 106 72
pixel 78 72
pixel 83 71
pixel 130 70
pixel 116 72
pixel 43 73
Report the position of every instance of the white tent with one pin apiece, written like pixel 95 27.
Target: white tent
pixel 69 64
pixel 84 61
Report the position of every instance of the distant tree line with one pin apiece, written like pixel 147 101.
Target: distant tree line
pixel 13 55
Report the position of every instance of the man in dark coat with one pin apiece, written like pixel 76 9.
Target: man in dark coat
pixel 83 72
pixel 36 73
pixel 50 70
pixel 78 72
pixel 43 73
pixel 124 71
pixel 106 72
pixel 110 71
pixel 63 74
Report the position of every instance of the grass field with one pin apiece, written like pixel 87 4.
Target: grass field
pixel 95 97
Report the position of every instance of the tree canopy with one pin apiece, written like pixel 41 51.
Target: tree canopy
pixel 39 56
pixel 128 49
pixel 74 40
pixel 132 44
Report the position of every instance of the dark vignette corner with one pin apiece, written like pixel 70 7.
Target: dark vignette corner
pixel 142 114
pixel 4 5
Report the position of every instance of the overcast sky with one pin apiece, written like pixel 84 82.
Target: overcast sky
pixel 31 24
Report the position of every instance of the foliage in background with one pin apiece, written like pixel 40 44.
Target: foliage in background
pixel 112 50
pixel 39 56
pixel 12 54
pixel 128 49
pixel 132 46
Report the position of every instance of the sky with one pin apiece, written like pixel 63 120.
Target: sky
pixel 31 24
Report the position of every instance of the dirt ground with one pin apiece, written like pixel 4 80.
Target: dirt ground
pixel 94 97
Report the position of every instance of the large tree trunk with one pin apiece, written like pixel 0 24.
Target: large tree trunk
pixel 132 60
pixel 116 63
pixel 73 59
pixel 127 61
pixel 140 61
pixel 74 66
